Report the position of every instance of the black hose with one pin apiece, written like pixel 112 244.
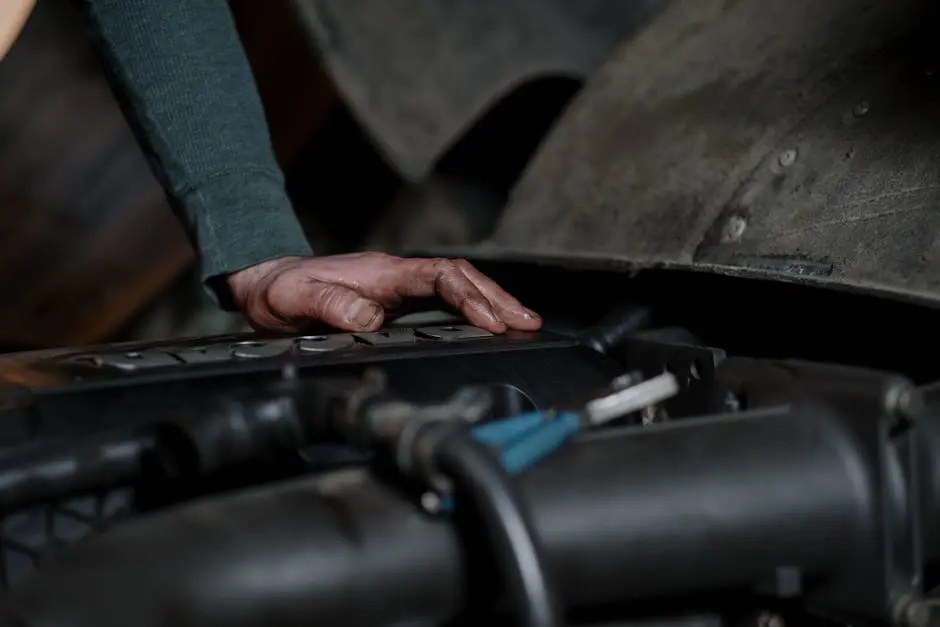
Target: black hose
pixel 508 527
pixel 40 474
pixel 210 439
pixel 616 326
pixel 701 506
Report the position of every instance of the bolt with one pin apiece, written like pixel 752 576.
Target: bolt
pixel 787 158
pixel 901 401
pixel 861 109
pixel 734 229
pixel 431 503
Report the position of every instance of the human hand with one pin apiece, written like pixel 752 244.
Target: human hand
pixel 354 292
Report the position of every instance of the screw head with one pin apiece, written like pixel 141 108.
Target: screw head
pixel 787 158
pixel 431 503
pixel 734 229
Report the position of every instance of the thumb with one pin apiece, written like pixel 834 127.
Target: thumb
pixel 331 304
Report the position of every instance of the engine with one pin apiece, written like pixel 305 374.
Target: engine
pixel 432 473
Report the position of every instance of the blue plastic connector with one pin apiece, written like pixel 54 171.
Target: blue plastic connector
pixel 524 440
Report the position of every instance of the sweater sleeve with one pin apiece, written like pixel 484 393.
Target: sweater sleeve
pixel 181 76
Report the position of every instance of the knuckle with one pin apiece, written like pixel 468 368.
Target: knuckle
pixel 269 297
pixel 444 266
pixel 278 289
pixel 464 265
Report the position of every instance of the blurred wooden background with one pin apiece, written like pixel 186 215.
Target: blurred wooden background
pixel 86 239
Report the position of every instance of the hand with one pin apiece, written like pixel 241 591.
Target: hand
pixel 353 292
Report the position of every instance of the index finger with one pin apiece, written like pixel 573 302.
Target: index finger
pixel 427 277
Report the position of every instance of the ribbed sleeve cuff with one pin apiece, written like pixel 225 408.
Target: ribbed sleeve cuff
pixel 239 220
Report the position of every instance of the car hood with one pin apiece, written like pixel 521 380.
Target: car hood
pixel 419 73
pixel 796 140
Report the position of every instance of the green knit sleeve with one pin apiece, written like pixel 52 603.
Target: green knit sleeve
pixel 179 71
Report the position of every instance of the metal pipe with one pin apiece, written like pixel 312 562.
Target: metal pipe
pixel 702 505
pixel 203 441
pixel 42 474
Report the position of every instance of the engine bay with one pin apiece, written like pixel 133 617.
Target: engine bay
pixel 625 471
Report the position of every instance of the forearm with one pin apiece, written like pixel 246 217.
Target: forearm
pixel 13 14
pixel 181 75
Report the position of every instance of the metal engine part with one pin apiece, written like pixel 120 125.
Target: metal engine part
pixel 223 489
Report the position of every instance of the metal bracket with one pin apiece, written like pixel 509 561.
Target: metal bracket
pixel 130 361
pixel 203 354
pixel 389 337
pixel 454 333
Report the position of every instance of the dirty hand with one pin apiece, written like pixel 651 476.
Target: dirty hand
pixel 353 292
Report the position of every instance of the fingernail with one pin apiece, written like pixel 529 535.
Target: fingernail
pixel 530 315
pixel 363 313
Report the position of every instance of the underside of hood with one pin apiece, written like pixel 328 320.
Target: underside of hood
pixel 796 140
pixel 419 73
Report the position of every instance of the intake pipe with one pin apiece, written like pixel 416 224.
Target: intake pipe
pixel 695 506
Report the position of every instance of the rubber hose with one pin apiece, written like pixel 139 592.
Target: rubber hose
pixel 508 527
